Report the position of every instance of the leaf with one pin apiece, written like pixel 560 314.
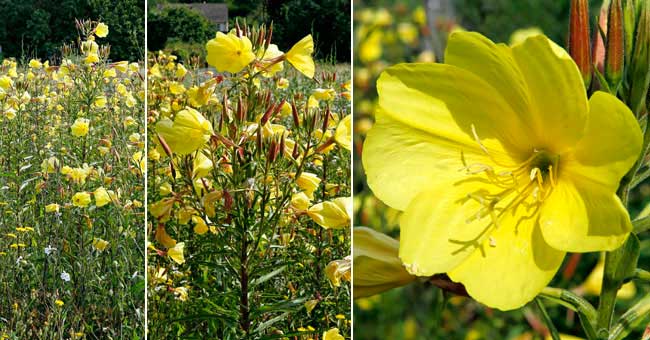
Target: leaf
pixel 267 277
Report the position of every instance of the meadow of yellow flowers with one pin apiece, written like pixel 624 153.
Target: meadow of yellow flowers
pixel 71 194
pixel 249 195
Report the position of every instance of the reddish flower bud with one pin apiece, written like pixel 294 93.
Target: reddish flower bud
pixel 614 54
pixel 294 114
pixel 579 44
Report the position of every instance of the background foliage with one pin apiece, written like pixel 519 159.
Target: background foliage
pixel 33 28
pixel 327 20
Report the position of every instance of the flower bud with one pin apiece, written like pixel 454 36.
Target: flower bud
pixel 614 54
pixel 639 73
pixel 579 44
pixel 377 267
pixel 629 18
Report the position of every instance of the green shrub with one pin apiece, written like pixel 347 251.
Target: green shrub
pixel 327 20
pixel 185 51
pixel 178 24
pixel 34 28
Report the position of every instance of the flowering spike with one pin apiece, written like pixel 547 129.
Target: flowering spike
pixel 579 45
pixel 614 55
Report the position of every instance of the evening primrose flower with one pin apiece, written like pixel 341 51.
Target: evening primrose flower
pixel 333 214
pixel 333 334
pixel 81 199
pixel 80 127
pixel 343 135
pixel 101 30
pixel 229 53
pixel 188 132
pixel 102 197
pixel 300 56
pixel 540 165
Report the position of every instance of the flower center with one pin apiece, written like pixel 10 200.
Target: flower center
pixel 525 185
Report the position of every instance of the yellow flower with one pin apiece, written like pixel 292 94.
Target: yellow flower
pixel 539 179
pixel 300 56
pixel 300 201
pixel 91 58
pixel 337 270
pixel 100 244
pixel 101 30
pixel 6 82
pixel 308 182
pixel 282 83
pixel 176 253
pixel 53 207
pixel 324 94
pixel 199 225
pixel 269 64
pixel 59 303
pixel 377 267
pixel 343 135
pixel 229 53
pixel 100 101
pixel 188 132
pixel 81 199
pixel 80 127
pixel 333 214
pixel 35 64
pixel 333 334
pixel 102 197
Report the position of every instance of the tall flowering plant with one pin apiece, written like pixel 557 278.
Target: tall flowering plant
pixel 249 192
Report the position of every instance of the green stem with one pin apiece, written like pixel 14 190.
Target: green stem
pixel 607 299
pixel 585 310
pixel 633 318
pixel 547 319
pixel 642 275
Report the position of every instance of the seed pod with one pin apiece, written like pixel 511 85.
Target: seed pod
pixel 579 44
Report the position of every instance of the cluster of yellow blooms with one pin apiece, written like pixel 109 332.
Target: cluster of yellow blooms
pixel 206 126
pixel 79 127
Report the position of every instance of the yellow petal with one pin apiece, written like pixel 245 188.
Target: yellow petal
pixel 493 63
pixel 377 267
pixel 101 197
pixel 331 214
pixel 199 225
pixel 164 238
pixel 188 132
pixel 583 216
pixel 436 233
pixel 300 56
pixel 333 334
pixel 343 135
pixel 176 253
pixel 229 53
pixel 611 144
pixel 558 102
pixel 514 265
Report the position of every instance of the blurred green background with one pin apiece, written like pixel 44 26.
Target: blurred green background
pixel 389 32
